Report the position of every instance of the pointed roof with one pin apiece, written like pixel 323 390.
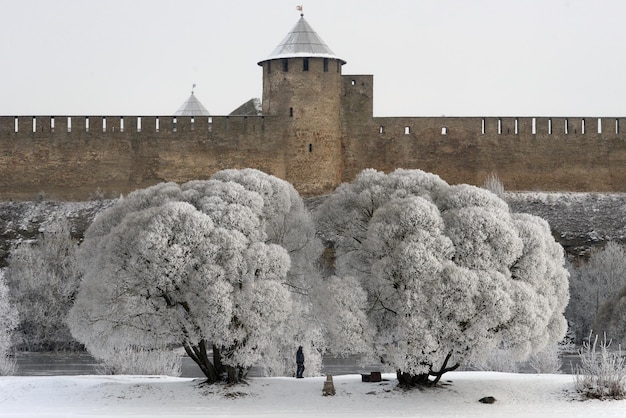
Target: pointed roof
pixel 302 41
pixel 192 107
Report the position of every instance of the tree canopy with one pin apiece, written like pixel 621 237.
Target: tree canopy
pixel 448 271
pixel 204 265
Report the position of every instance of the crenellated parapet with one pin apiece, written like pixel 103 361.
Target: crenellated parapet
pixel 47 126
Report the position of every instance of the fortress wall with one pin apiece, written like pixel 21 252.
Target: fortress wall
pixel 72 157
pixel 72 164
pixel 462 153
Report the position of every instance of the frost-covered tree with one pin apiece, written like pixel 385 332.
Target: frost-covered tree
pixel 449 273
pixel 43 279
pixel 8 322
pixel 611 318
pixel 593 284
pixel 193 265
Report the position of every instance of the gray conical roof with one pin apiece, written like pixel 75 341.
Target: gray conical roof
pixel 192 107
pixel 302 41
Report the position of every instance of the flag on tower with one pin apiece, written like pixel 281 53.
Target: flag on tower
pixel 299 8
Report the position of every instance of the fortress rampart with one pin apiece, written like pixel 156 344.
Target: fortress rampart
pixel 75 157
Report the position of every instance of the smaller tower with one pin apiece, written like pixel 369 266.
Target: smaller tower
pixel 302 86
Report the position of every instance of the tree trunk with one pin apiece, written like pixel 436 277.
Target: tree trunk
pixel 198 353
pixel 409 380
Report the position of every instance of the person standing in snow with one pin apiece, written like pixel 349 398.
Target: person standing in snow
pixel 300 363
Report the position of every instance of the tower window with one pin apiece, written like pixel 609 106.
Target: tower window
pixel 291 112
pixel 104 124
pixel 305 64
pixel 407 130
pixel 353 82
pixel 482 126
pixel 381 130
pixel 533 126
pixel 285 64
pixel 325 65
pixel 444 131
pixel 310 147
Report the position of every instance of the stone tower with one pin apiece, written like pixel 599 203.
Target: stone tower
pixel 302 86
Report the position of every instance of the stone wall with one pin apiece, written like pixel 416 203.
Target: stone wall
pixel 74 164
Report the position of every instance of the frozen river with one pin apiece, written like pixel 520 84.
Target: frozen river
pixel 56 364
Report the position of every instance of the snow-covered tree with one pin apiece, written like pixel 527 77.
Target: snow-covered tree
pixel 593 284
pixel 8 322
pixel 611 318
pixel 43 279
pixel 192 265
pixel 448 271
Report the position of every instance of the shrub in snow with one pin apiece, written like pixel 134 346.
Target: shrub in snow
pixel 601 373
pixel 448 272
pixel 494 185
pixel 500 359
pixel 8 322
pixel 141 361
pixel 195 265
pixel 43 279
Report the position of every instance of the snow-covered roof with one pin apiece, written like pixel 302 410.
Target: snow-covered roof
pixel 302 41
pixel 192 107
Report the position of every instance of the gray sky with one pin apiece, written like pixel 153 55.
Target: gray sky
pixel 428 57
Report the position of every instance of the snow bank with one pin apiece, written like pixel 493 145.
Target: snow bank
pixel 517 395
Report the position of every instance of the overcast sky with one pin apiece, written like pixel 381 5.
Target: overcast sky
pixel 428 57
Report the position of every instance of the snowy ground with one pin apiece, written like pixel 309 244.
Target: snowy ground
pixel 517 395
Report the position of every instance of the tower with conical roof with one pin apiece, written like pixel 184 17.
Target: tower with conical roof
pixel 302 86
